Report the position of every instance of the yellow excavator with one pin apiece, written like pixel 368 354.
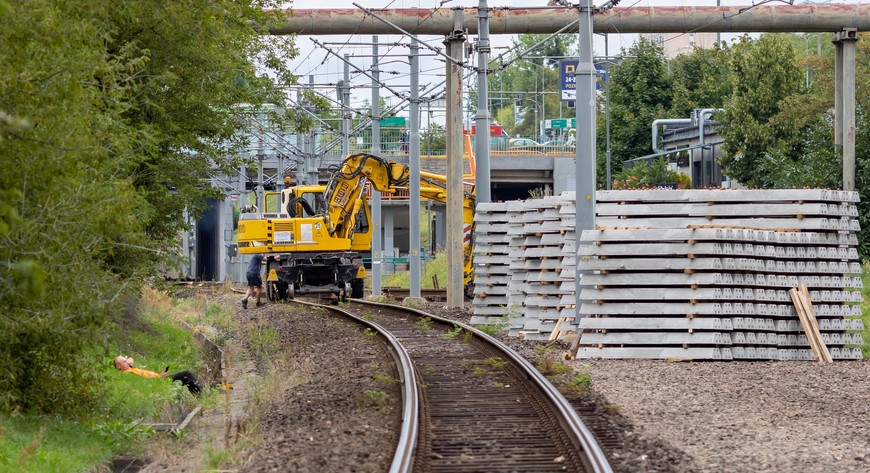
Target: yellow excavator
pixel 312 234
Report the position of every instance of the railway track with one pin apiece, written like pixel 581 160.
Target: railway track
pixel 398 293
pixel 471 403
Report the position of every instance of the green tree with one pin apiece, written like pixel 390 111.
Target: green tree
pixel 111 118
pixel 434 140
pixel 764 74
pixel 640 92
pixel 530 84
pixel 701 79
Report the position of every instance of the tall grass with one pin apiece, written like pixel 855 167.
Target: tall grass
pixel 434 268
pixel 30 443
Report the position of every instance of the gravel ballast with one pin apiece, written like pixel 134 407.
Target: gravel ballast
pixel 747 416
pixel 736 416
pixel 760 417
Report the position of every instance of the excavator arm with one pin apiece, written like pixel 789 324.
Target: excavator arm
pixel 344 192
pixel 344 197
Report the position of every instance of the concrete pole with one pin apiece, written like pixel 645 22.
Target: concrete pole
pixel 607 107
pixel 838 91
pixel 483 118
pixel 345 109
pixel 313 175
pixel 377 228
pixel 300 146
pixel 848 39
pixel 241 186
pixel 258 200
pixel 585 164
pixel 454 42
pixel 389 233
pixel 414 165
pixel 227 237
pixel 279 155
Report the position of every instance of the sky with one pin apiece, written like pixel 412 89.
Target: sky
pixel 328 70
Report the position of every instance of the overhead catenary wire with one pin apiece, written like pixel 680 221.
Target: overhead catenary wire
pixel 381 83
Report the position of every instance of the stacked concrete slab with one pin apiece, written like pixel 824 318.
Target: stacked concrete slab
pixel 698 274
pixel 532 240
pixel 491 265
pixel 705 274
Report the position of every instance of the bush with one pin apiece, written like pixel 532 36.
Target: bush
pixel 644 175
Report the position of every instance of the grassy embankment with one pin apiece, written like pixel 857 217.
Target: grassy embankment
pixel 433 269
pixel 114 424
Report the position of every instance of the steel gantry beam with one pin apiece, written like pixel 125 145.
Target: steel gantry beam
pixel 805 18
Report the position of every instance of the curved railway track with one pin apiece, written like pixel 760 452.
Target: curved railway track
pixel 470 403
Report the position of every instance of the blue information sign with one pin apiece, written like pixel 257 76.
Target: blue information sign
pixel 569 82
pixel 567 79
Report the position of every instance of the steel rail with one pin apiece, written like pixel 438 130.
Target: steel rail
pixel 404 456
pixel 584 440
pixel 806 18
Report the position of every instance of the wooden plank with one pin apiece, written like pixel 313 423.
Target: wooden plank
pixel 811 331
pixel 811 316
pixel 554 335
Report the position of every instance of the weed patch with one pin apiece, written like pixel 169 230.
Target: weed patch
pixel 453 333
pixel 374 398
pixel 496 362
pixel 264 341
pixel 424 323
pixel 580 383
pixel 493 329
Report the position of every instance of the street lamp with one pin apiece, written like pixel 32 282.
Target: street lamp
pixel 519 101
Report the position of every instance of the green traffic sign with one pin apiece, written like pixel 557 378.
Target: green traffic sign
pixel 395 122
pixel 560 123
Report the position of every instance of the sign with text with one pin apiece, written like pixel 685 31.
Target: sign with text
pixel 568 81
pixel 560 123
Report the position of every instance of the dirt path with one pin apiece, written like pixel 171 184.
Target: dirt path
pixel 215 430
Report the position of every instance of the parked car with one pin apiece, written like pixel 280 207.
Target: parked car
pixel 524 144
pixel 558 145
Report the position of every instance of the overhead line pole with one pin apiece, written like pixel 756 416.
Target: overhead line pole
pixel 454 41
pixel 585 143
pixel 345 110
pixel 483 118
pixel 377 235
pixel 414 165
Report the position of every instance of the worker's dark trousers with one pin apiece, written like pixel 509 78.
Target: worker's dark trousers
pixel 188 379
